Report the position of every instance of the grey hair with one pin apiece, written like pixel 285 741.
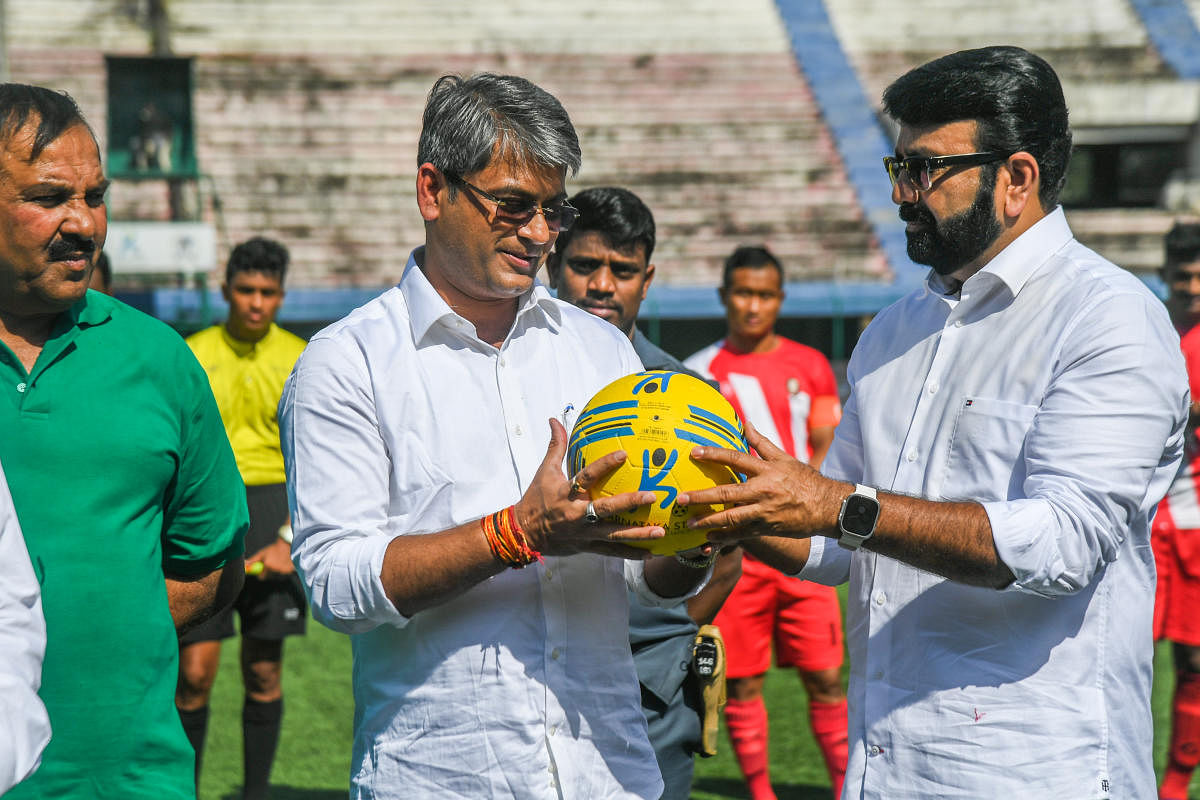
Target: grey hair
pixel 467 122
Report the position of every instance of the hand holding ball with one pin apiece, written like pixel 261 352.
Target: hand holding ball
pixel 657 417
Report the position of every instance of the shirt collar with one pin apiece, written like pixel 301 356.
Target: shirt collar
pixel 426 307
pixel 86 312
pixel 1023 256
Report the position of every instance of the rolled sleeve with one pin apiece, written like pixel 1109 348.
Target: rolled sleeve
pixel 337 474
pixel 340 571
pixel 1094 459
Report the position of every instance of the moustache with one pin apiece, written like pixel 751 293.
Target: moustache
pixel 911 212
pixel 65 249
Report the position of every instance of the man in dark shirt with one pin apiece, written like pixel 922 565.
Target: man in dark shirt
pixel 602 264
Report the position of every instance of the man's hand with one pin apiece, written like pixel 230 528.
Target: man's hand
pixel 276 560
pixel 781 496
pixel 425 570
pixel 551 512
pixel 783 503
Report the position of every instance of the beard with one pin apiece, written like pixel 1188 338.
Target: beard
pixel 955 242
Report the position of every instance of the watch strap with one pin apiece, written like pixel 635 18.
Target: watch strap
pixel 869 491
pixel 849 539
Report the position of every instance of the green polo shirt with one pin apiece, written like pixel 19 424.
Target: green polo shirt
pixel 120 471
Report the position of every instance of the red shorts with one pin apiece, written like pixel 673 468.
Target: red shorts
pixel 801 618
pixel 1177 594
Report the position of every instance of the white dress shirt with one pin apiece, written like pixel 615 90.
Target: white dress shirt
pixel 24 725
pixel 398 420
pixel 1052 391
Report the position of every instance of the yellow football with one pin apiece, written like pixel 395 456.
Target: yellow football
pixel 657 417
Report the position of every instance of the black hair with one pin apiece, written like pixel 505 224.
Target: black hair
pixel 1013 95
pixel 753 257
pixel 617 214
pixel 1182 244
pixel 55 113
pixel 258 255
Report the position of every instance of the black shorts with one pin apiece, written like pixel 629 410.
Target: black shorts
pixel 269 609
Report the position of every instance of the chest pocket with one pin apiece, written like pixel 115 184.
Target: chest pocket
pixel 984 461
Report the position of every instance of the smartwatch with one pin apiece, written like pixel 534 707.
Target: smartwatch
pixel 857 519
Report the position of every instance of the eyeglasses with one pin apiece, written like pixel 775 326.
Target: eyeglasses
pixel 519 211
pixel 919 169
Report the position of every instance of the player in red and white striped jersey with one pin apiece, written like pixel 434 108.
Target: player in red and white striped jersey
pixel 788 392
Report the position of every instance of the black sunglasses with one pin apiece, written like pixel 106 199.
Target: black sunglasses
pixel 519 211
pixel 919 169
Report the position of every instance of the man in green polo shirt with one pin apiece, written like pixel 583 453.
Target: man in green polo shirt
pixel 123 481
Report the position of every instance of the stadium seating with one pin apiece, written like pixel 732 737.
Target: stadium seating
pixel 307 113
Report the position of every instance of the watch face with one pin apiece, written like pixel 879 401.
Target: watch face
pixel 859 515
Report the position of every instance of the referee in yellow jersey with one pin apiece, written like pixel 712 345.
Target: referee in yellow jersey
pixel 247 360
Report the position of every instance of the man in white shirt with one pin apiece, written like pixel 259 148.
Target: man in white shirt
pixel 997 540
pixel 24 725
pixel 424 438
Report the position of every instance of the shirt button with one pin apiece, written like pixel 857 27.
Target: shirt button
pixel 503 363
pixel 911 456
pixel 21 388
pixel 933 387
pixel 874 750
pixel 958 323
pixel 555 653
pixel 554 729
pixel 880 598
pixel 517 430
pixel 549 574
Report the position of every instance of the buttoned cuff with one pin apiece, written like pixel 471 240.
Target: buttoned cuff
pixel 827 563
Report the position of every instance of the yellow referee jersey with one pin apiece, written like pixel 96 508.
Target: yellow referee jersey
pixel 247 379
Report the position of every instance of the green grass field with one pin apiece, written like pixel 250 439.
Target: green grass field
pixel 314 751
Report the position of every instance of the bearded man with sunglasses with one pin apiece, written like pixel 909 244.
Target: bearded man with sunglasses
pixel 989 490
pixel 424 438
